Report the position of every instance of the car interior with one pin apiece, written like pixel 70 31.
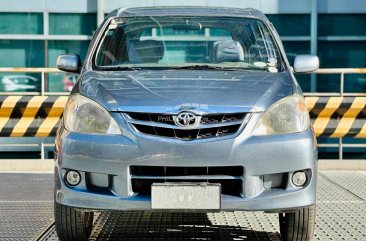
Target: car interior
pixel 174 44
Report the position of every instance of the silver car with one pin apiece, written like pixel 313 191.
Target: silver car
pixel 186 109
pixel 19 83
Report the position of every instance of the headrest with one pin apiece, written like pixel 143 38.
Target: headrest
pixel 147 51
pixel 228 51
pixel 257 52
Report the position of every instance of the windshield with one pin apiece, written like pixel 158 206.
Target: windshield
pixel 188 42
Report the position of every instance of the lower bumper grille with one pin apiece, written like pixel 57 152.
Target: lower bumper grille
pixel 230 177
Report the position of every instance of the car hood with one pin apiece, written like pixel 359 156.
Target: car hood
pixel 170 91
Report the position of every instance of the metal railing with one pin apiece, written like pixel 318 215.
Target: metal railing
pixel 341 71
pixel 29 147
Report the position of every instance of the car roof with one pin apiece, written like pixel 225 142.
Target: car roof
pixel 189 11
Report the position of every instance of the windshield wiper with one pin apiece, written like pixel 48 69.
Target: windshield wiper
pixel 122 68
pixel 223 68
pixel 201 67
pixel 254 68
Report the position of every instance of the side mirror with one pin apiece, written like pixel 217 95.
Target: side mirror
pixel 69 63
pixel 306 63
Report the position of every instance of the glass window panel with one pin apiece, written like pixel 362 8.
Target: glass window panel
pixel 59 82
pixel 348 153
pixel 304 81
pixel 21 53
pixel 173 32
pixel 328 153
pixel 328 83
pixel 146 33
pixel 354 153
pixel 72 23
pixel 342 54
pixel 20 82
pixel 220 32
pixel 342 25
pixel 291 24
pixel 21 23
pixel 185 41
pixel 351 140
pixel 57 47
pixel 355 83
pixel 292 49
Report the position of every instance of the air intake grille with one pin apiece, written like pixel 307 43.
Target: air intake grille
pixel 209 126
pixel 230 177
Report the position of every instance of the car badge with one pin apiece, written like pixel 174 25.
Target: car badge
pixel 187 119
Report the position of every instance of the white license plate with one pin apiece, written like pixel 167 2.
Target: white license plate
pixel 189 196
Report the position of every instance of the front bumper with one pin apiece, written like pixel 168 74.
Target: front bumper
pixel 112 156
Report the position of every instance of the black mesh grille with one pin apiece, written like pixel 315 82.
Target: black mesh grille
pixel 230 177
pixel 168 119
pixel 222 118
pixel 223 124
pixel 187 134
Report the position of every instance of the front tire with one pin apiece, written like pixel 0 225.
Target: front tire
pixel 72 224
pixel 298 225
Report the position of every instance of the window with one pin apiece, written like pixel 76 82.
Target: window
pixel 342 54
pixel 22 53
pixel 72 23
pixel 170 41
pixel 294 48
pixel 21 23
pixel 193 49
pixel 342 25
pixel 57 47
pixel 291 24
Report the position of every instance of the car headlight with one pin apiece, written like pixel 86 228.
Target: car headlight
pixel 289 115
pixel 86 116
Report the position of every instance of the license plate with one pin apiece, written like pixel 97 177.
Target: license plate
pixel 189 196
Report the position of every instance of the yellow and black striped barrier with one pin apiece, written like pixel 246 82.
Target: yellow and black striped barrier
pixel 39 116
pixel 338 116
pixel 35 116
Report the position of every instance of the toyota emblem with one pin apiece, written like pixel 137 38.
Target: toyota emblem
pixel 186 119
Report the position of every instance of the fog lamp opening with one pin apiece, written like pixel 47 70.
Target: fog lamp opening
pixel 299 178
pixel 73 178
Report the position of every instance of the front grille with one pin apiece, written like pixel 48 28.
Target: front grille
pixel 230 177
pixel 212 125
